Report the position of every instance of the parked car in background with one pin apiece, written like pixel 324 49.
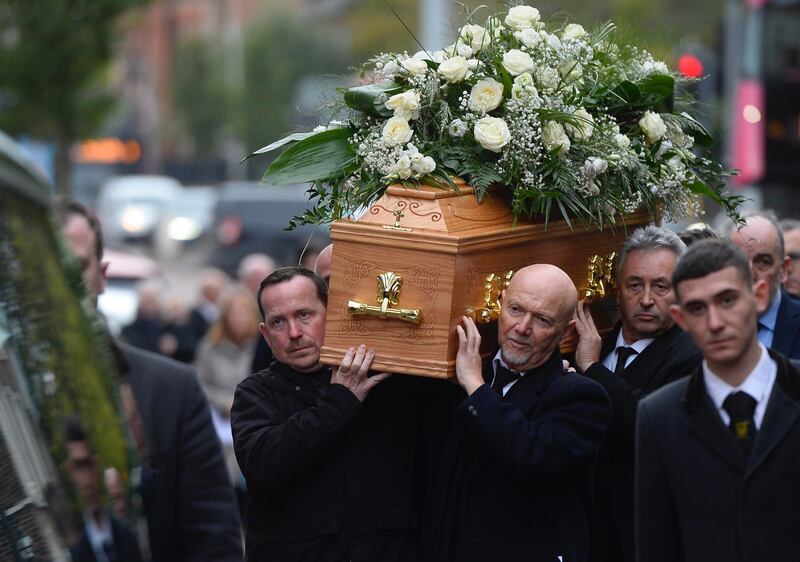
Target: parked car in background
pixel 251 218
pixel 119 301
pixel 130 207
pixel 186 222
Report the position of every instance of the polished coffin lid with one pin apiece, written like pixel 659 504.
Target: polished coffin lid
pixel 444 246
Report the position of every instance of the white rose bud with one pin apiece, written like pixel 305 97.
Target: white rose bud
pixel 554 42
pixel 598 164
pixel 390 68
pixel 584 129
pixel 415 66
pixel 404 104
pixel 554 136
pixel 622 141
pixel 422 164
pixel 457 128
pixel 397 131
pixel 528 37
pixel 522 17
pixel 492 133
pixel 546 78
pixel 574 31
pixel 438 56
pixel 486 95
pixel 652 126
pixel 476 36
pixel 454 69
pixel 517 62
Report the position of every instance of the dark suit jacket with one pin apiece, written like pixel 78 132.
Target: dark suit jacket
pixel 787 327
pixel 330 478
pixel 188 500
pixel 666 359
pixel 517 474
pixel 126 547
pixel 698 498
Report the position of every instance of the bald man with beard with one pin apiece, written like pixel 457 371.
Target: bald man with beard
pixel 519 453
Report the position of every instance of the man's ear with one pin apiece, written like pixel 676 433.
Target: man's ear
pixel 103 275
pixel 786 268
pixel 569 330
pixel 761 294
pixel 264 334
pixel 676 312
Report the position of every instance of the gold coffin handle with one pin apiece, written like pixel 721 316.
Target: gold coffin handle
pixel 389 285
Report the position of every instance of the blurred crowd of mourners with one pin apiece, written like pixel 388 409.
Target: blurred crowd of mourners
pixel 675 437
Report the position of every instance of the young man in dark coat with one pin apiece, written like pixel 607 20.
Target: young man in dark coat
pixel 328 457
pixel 645 352
pixel 518 467
pixel 718 451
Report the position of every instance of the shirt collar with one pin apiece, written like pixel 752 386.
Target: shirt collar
pixel 639 345
pixel 770 317
pixel 756 384
pixel 498 360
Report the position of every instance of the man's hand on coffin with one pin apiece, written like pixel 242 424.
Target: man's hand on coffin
pixel 468 359
pixel 589 341
pixel 353 372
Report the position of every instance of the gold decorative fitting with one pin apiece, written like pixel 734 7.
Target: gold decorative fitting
pixel 398 214
pixel 600 280
pixel 493 288
pixel 389 285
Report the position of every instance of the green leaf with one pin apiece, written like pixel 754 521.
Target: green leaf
pixel 660 91
pixel 294 137
pixel 317 158
pixel 701 135
pixel 365 98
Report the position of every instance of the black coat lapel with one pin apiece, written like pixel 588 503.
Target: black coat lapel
pixel 783 411
pixel 645 365
pixel 525 393
pixel 706 425
pixel 787 324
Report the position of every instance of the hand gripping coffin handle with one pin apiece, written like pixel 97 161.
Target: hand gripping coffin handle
pixel 389 285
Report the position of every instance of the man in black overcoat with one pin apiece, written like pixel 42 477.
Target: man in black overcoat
pixel 328 457
pixel 188 500
pixel 519 455
pixel 718 451
pixel 644 352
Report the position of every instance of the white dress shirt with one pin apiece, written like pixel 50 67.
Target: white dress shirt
pixel 758 384
pixel 610 362
pixel 98 533
pixel 498 360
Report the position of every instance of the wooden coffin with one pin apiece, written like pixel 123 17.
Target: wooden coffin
pixel 452 257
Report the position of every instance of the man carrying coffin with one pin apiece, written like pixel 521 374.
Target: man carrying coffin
pixel 520 450
pixel 645 352
pixel 718 452
pixel 328 455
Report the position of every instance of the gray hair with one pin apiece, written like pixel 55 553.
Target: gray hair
pixel 650 238
pixel 787 225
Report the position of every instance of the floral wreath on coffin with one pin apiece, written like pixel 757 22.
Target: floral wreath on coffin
pixel 564 120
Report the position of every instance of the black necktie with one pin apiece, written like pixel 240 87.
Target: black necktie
pixel 502 377
pixel 740 407
pixel 109 550
pixel 623 352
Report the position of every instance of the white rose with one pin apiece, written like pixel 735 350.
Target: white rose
pixel 390 68
pixel 404 104
pixel 570 70
pixel 438 56
pixel 454 69
pixel 422 165
pixel 492 133
pixel 486 95
pixel 622 141
pixel 528 37
pixel 463 50
pixel 522 17
pixel 476 36
pixel 415 66
pixel 554 136
pixel 457 128
pixel 523 87
pixel 652 126
pixel 402 168
pixel 546 78
pixel 554 42
pixel 574 31
pixel 594 166
pixel 517 62
pixel 397 131
pixel 583 130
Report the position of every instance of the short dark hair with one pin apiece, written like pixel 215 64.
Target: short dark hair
pixel 286 274
pixel 709 256
pixel 73 429
pixel 692 235
pixel 67 208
